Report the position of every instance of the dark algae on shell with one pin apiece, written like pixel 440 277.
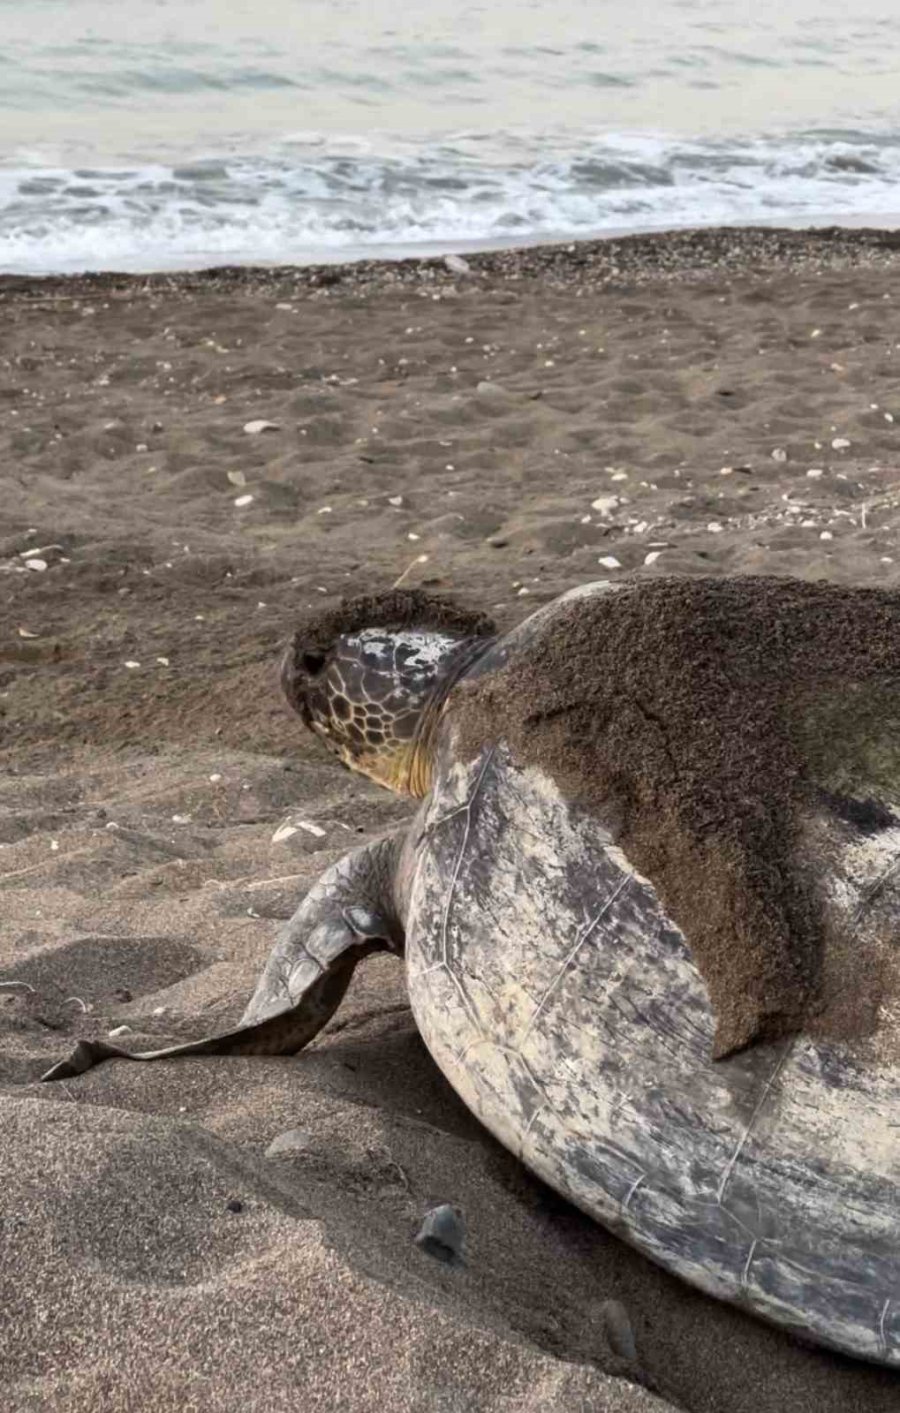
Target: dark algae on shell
pixel 706 721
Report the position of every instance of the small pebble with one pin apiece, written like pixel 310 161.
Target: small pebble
pixel 826 535
pixel 293 1140
pixel 714 527
pixel 652 557
pixel 609 561
pixel 234 1204
pixel 814 473
pixel 132 664
pixel 779 454
pixel 443 1234
pixel 605 505
pixel 237 478
pixel 241 501
pixel 215 779
pixel 163 661
pixel 840 443
pixel 37 564
pixel 457 265
pixel 258 425
pixel 618 1331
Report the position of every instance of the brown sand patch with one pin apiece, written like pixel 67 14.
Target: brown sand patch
pixel 704 718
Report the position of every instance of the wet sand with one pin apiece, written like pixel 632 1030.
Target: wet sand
pixel 722 402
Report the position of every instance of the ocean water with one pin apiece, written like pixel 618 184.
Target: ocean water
pixel 160 134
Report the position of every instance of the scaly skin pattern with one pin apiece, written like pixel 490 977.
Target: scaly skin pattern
pixel 563 1006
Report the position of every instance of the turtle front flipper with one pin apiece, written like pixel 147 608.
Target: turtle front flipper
pixel 347 915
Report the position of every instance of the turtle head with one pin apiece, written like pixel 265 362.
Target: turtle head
pixel 371 677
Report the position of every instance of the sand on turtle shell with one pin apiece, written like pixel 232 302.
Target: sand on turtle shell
pixel 705 719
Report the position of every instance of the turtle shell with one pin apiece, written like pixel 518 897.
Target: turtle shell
pixel 562 1004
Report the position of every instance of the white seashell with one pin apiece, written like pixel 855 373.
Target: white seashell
pixel 37 564
pixel 243 500
pixel 258 425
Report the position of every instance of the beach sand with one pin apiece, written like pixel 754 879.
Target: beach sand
pixel 696 403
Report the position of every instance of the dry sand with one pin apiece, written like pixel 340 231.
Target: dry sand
pixel 659 402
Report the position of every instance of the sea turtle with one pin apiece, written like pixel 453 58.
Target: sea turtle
pixel 560 998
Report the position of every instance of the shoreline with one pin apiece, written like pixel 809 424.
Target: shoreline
pixel 639 254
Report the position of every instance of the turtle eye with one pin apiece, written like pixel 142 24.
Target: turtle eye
pixel 312 663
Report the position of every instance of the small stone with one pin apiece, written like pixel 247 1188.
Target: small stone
pixel 293 1140
pixel 122 993
pixel 779 454
pixel 39 565
pixel 618 1330
pixel 826 535
pixel 714 527
pixel 241 501
pixel 605 505
pixel 163 661
pixel 132 664
pixel 142 446
pixel 395 500
pixel 488 389
pixel 443 1234
pixel 652 557
pixel 258 425
pixel 237 478
pixel 457 265
pixel 840 443
pixel 727 471
pixel 234 1204
pixel 215 778
pixel 609 561
pixel 815 472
